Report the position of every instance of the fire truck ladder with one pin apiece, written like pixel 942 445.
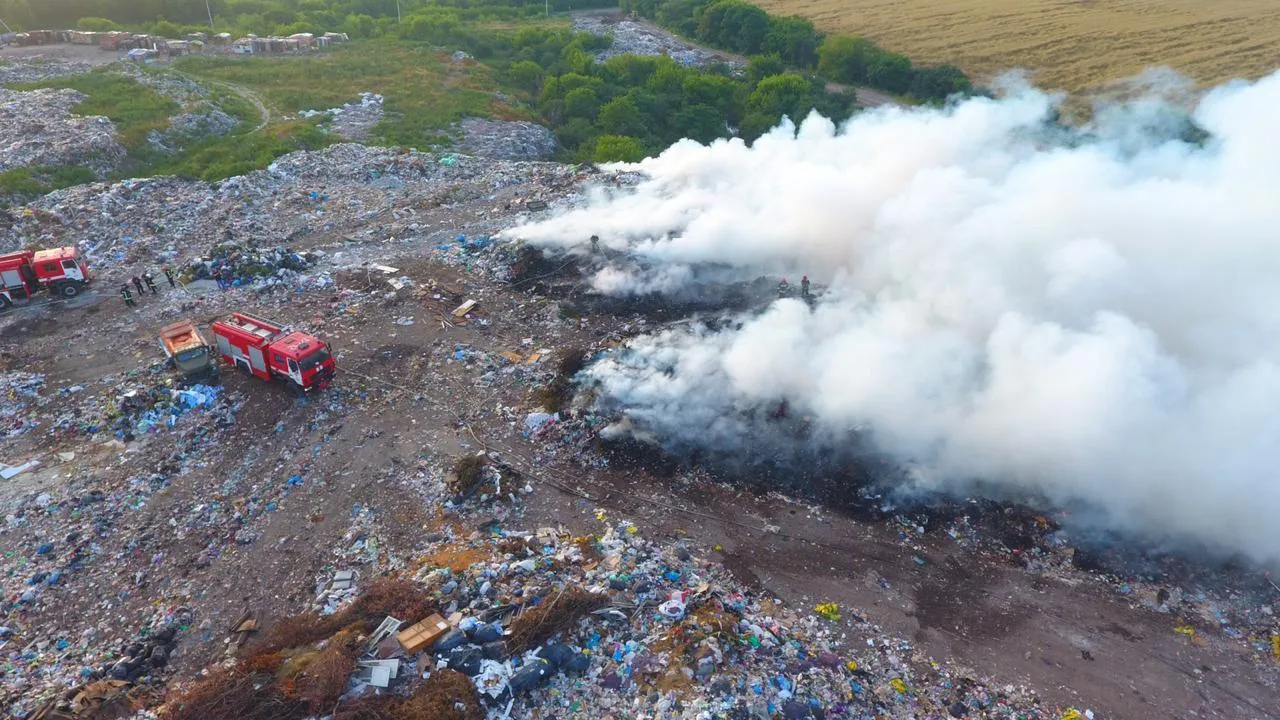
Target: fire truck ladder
pixel 261 326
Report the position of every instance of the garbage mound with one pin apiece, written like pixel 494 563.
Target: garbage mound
pixel 634 38
pixel 21 394
pixel 38 129
pixel 353 121
pixel 351 191
pixel 506 140
pixel 236 265
pixel 515 623
pixel 38 69
pixel 138 412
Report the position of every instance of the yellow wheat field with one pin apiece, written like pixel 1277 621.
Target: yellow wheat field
pixel 1070 45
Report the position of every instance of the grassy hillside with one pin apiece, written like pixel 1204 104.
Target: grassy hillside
pixel 425 90
pixel 1069 45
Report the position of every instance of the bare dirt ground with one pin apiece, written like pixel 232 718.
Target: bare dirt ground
pixel 1066 45
pixel 403 404
pixel 91 54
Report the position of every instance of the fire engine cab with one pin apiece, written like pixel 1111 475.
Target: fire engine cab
pixel 268 350
pixel 61 272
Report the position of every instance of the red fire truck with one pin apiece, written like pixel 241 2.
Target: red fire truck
pixel 268 350
pixel 61 272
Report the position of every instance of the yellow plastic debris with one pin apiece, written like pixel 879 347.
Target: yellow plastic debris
pixel 718 548
pixel 851 666
pixel 830 611
pixel 898 686
pixel 1275 645
pixel 1071 714
pixel 1190 632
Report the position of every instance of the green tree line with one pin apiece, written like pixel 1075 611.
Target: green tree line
pixel 359 18
pixel 630 106
pixel 740 27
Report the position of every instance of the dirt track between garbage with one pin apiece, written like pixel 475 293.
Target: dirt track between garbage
pixel 1071 636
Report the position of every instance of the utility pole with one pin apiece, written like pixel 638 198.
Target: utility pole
pixel 397 12
pixel 210 11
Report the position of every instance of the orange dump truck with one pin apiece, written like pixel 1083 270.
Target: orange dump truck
pixel 188 351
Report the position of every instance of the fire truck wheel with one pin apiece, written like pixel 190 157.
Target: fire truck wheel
pixel 69 289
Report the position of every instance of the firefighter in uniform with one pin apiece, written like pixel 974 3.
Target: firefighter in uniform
pixel 168 275
pixel 128 296
pixel 151 283
pixel 137 282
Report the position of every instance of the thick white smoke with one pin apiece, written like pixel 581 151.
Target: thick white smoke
pixel 1095 320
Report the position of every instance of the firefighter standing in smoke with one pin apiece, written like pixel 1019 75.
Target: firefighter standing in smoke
pixel 128 296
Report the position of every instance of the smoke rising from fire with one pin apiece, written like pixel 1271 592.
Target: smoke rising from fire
pixel 1087 315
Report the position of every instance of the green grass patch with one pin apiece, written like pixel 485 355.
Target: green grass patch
pixel 25 183
pixel 220 158
pixel 231 103
pixel 424 90
pixel 135 108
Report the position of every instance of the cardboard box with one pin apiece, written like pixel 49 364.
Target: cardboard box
pixel 424 634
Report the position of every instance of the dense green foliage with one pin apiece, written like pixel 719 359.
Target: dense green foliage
pixel 739 27
pixel 607 110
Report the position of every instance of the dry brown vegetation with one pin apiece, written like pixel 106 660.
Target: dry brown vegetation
pixel 303 665
pixel 557 614
pixel 1069 45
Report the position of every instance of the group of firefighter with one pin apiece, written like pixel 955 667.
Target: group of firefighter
pixel 784 288
pixel 149 280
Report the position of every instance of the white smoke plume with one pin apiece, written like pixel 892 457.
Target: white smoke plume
pixel 1085 315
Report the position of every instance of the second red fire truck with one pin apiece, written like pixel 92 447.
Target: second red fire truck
pixel 61 272
pixel 269 350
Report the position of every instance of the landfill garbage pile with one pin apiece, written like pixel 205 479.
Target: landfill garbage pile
pixel 89 530
pixel 138 412
pixel 506 140
pixel 21 395
pixel 192 126
pixel 634 38
pixel 353 121
pixel 546 624
pixel 122 675
pixel 372 194
pixel 177 88
pixel 38 129
pixel 236 265
pixel 38 69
